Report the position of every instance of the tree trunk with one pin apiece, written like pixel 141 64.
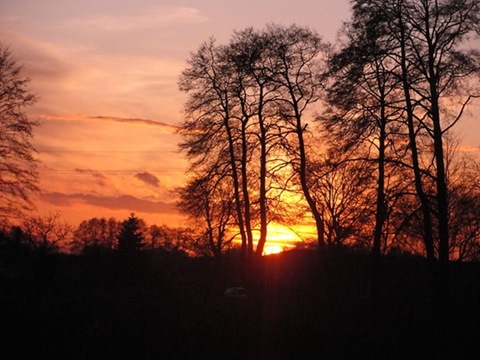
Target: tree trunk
pixel 380 208
pixel 319 223
pixel 263 178
pixel 426 212
pixel 441 181
pixel 236 187
pixel 246 194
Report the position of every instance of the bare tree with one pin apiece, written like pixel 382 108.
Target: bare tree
pixel 18 175
pixel 209 202
pixel 343 193
pixel 212 135
pixel 297 59
pixel 257 96
pixel 438 30
pixel 47 233
pixel 364 116
pixel 172 239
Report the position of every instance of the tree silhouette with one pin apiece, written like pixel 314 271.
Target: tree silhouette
pixel 363 115
pixel 296 65
pixel 18 175
pixel 209 202
pixel 345 197
pixel 131 238
pixel 95 235
pixel 210 138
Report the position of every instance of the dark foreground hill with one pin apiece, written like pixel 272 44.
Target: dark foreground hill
pixel 299 306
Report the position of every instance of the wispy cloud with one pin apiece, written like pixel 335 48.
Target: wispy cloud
pixel 157 16
pixel 122 202
pixel 45 61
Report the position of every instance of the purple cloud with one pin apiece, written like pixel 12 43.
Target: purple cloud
pixel 94 173
pixel 148 179
pixel 98 176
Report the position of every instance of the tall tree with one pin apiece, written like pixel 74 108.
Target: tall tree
pixel 18 177
pixel 211 135
pixel 363 114
pixel 424 44
pixel 246 114
pixel 296 62
pixel 414 129
pixel 252 88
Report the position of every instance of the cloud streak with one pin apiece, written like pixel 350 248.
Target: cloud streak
pixel 169 128
pixel 469 148
pixel 135 121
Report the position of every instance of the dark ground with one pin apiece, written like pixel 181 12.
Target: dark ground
pixel 166 306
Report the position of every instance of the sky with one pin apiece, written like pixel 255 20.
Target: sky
pixel 105 73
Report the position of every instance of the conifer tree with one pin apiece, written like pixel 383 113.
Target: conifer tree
pixel 131 238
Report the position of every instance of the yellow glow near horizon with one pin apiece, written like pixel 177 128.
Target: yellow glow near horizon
pixel 272 249
pixel 278 233
pixel 279 239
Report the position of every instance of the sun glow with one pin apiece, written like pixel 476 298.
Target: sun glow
pixel 279 239
pixel 281 234
pixel 272 249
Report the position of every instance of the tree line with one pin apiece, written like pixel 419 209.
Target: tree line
pixel 49 235
pixel 356 137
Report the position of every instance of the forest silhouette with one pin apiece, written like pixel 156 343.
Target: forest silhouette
pixel 167 305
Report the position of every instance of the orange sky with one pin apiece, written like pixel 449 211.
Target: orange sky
pixel 105 72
